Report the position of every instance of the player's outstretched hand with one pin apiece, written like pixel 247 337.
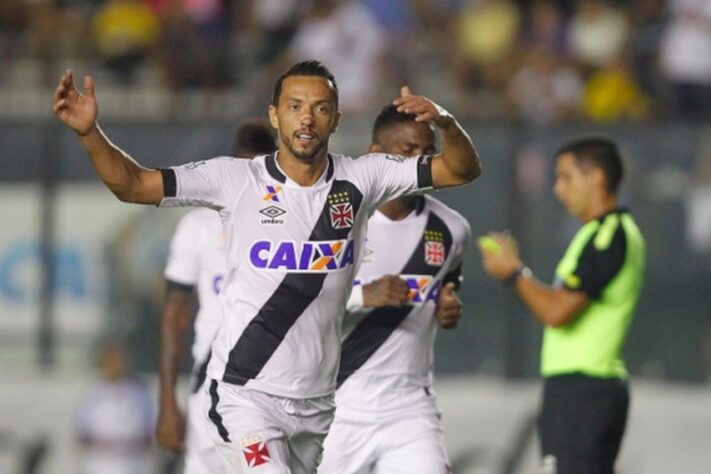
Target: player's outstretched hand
pixel 78 111
pixel 388 290
pixel 170 428
pixel 422 108
pixel 499 253
pixel 449 307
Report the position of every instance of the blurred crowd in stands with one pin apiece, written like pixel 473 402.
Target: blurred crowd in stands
pixel 537 61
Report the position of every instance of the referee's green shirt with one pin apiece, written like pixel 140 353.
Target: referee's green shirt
pixel 605 260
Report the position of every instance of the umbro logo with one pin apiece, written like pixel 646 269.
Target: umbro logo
pixel 395 158
pixel 195 164
pixel 272 214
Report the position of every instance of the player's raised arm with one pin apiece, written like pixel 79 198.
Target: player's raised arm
pixel 458 162
pixel 128 180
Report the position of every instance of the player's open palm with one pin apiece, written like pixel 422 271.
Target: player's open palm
pixel 388 290
pixel 78 111
pixel 449 307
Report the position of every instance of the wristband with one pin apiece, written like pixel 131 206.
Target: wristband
pixel 355 302
pixel 521 271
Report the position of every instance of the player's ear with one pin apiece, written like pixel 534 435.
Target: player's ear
pixel 336 122
pixel 375 148
pixel 273 117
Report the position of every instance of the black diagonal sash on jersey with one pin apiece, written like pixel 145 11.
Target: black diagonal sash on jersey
pixel 379 324
pixel 296 292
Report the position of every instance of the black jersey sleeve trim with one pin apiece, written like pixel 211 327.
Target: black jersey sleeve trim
pixel 596 268
pixel 174 285
pixel 424 172
pixel 169 182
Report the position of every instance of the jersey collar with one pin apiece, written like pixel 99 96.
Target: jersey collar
pixel 276 173
pixel 616 210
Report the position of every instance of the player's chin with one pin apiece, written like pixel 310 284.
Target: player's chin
pixel 308 153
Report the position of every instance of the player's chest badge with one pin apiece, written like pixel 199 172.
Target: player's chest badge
pixel 435 251
pixel 340 210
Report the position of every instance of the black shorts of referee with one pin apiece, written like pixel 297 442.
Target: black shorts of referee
pixel 582 422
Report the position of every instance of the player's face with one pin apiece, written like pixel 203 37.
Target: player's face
pixel 305 116
pixel 406 139
pixel 573 185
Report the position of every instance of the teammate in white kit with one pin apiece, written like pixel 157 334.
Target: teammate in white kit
pixel 294 228
pixel 387 419
pixel 197 259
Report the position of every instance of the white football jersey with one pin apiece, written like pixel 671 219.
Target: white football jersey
pixel 197 258
pixel 291 257
pixel 387 355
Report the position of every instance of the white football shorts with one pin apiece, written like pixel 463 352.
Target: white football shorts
pixel 258 433
pixel 402 445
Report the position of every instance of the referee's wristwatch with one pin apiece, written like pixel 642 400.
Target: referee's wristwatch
pixel 521 271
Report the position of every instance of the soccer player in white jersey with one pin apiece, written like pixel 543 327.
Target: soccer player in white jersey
pixel 387 419
pixel 294 229
pixel 197 259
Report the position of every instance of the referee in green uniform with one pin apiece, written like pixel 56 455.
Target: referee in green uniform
pixel 586 312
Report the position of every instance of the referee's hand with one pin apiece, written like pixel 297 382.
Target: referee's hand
pixel 499 254
pixel 388 290
pixel 170 429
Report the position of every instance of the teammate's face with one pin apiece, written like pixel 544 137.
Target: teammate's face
pixel 573 185
pixel 305 116
pixel 406 139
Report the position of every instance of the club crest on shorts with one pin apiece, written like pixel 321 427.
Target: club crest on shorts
pixel 434 248
pixel 255 451
pixel 341 210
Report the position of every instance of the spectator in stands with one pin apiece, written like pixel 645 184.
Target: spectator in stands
pixel 115 419
pixel 648 24
pixel 13 20
pixel 398 21
pixel 686 57
pixel 277 21
pixel 486 39
pixel 612 93
pixel 545 90
pixel 598 33
pixel 344 35
pixel 125 31
pixel 545 26
pixel 195 43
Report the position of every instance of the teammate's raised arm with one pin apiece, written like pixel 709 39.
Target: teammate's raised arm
pixel 128 180
pixel 458 162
